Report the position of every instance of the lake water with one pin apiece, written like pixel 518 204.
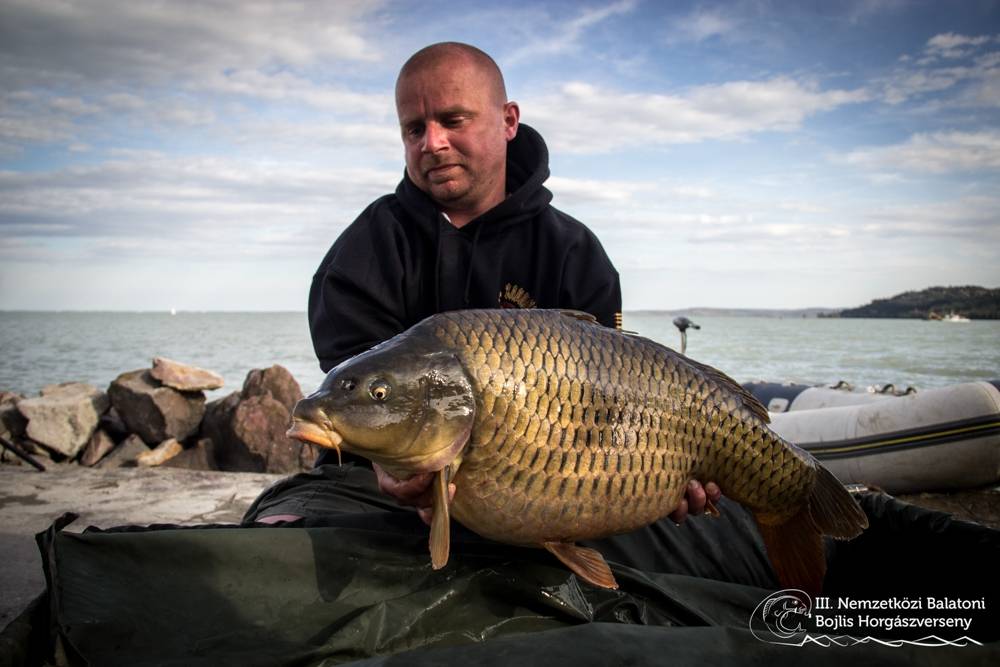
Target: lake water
pixel 39 348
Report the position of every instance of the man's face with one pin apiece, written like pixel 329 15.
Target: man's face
pixel 455 133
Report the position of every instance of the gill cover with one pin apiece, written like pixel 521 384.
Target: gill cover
pixel 448 413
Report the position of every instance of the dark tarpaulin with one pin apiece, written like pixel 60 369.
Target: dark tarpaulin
pixel 361 589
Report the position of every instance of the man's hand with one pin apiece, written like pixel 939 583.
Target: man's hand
pixel 413 492
pixel 695 500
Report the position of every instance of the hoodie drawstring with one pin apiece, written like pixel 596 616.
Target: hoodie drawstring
pixel 472 262
pixel 437 266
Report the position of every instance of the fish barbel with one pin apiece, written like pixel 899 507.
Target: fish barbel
pixel 555 429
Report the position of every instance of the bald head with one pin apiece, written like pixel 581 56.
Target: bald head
pixel 455 122
pixel 452 54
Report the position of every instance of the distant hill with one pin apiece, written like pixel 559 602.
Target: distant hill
pixel 976 303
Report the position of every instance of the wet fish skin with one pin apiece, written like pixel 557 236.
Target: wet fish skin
pixel 576 431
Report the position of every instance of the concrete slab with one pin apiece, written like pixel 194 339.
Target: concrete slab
pixel 30 501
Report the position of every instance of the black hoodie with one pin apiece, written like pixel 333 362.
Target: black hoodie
pixel 402 261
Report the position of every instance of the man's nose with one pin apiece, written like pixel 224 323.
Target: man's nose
pixel 435 138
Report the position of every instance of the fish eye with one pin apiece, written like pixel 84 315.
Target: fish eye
pixel 348 384
pixel 379 390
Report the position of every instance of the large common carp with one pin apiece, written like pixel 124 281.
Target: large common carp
pixel 554 429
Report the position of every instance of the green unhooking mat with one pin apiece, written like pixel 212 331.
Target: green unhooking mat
pixel 361 590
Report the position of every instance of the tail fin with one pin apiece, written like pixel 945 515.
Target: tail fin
pixel 795 547
pixel 832 508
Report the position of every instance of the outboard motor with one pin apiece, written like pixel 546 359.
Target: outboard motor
pixel 682 324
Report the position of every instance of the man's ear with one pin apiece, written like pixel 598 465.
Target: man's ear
pixel 511 118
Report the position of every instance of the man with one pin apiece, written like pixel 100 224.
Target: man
pixel 469 226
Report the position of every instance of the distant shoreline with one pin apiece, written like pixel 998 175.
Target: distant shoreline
pixel 740 312
pixel 697 311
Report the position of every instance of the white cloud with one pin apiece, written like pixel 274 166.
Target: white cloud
pixel 935 152
pixel 188 207
pixel 568 33
pixel 145 42
pixel 951 45
pixel 77 70
pixel 911 83
pixel 73 106
pixel 936 71
pixel 972 218
pixel 124 101
pixel 585 118
pixel 325 136
pixel 289 87
pixel 702 23
pixel 572 192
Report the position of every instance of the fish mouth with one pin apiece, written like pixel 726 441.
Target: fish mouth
pixel 306 431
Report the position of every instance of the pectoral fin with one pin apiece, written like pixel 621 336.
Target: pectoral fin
pixel 588 564
pixel 440 542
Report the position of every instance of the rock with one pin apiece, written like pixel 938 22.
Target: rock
pixel 201 456
pixel 9 397
pixel 12 422
pixel 259 424
pixel 125 454
pixel 97 447
pixel 248 428
pixel 153 411
pixel 184 377
pixel 163 452
pixel 64 417
pixel 216 425
pixel 277 382
pixel 112 423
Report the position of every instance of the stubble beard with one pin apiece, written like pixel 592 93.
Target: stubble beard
pixel 453 192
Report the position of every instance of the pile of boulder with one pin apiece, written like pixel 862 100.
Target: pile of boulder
pixel 159 416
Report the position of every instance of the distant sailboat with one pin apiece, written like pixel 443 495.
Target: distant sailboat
pixel 173 311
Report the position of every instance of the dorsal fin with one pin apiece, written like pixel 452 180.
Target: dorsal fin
pixel 580 315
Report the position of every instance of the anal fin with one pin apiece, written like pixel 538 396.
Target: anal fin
pixel 795 549
pixel 440 540
pixel 586 563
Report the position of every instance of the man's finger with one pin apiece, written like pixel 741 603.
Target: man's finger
pixel 713 492
pixel 695 497
pixel 679 514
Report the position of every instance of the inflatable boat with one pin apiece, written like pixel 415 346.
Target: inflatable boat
pixel 789 396
pixel 939 439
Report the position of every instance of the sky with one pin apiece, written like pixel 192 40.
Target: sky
pixel 204 155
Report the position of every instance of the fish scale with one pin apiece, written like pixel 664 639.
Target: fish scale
pixel 555 429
